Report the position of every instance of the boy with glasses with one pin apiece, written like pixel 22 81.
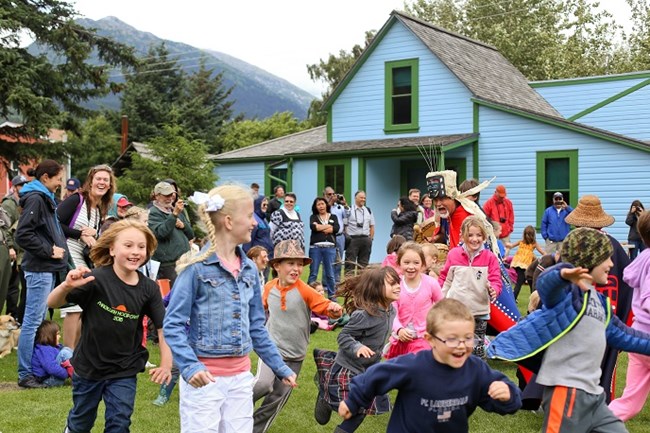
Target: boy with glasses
pixel 438 390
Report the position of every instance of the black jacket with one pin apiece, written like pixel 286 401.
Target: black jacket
pixel 38 231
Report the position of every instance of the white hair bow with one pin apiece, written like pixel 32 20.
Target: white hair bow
pixel 212 203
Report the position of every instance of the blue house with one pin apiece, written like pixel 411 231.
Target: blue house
pixel 419 89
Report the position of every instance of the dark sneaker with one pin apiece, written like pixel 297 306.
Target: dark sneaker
pixel 30 382
pixel 322 411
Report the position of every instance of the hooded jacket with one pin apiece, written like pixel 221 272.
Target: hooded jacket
pixel 637 276
pixel 39 230
pixel 261 234
pixel 564 305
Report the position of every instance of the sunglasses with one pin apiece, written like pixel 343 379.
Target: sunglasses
pixel 102 167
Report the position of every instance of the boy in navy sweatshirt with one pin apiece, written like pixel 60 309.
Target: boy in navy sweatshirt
pixel 439 389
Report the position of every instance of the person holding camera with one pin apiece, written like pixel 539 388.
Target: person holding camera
pixel 499 208
pixel 554 227
pixel 633 236
pixel 361 229
pixel 338 207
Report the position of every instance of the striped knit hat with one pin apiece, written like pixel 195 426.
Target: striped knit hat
pixel 586 248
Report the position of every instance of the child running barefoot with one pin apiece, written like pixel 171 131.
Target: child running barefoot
pixel 637 382
pixel 51 360
pixel 219 292
pixel 571 333
pixel 368 297
pixel 419 293
pixel 437 389
pixel 524 256
pixel 114 297
pixel 288 301
pixel 471 275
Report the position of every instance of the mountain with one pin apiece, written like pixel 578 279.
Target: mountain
pixel 257 93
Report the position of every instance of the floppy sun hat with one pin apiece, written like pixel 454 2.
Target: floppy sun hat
pixel 589 213
pixel 289 249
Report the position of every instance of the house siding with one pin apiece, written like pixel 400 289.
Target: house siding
pixel 243 172
pixel 444 105
pixel 571 99
pixel 508 147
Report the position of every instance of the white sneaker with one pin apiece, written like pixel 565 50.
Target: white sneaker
pixel 149 365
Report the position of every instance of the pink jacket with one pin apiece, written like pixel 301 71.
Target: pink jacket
pixel 466 279
pixel 412 307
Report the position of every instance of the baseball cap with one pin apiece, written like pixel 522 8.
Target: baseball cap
pixel 72 184
pixel 558 195
pixel 19 180
pixel 124 202
pixel 163 188
pixel 501 191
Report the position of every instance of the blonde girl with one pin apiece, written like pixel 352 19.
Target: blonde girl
pixel 114 297
pixel 524 256
pixel 432 266
pixel 219 292
pixel 472 275
pixel 418 293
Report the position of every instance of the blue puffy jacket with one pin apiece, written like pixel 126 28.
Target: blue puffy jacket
pixel 564 306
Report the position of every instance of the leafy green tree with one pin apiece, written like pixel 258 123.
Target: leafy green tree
pixel 42 93
pixel 173 156
pixel 246 132
pixel 639 39
pixel 98 134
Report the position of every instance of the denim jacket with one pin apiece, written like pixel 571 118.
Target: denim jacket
pixel 225 314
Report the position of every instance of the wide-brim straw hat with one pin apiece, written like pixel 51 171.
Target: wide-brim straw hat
pixel 589 213
pixel 289 249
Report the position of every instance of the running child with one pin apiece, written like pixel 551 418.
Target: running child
pixel 570 335
pixel 368 297
pixel 288 301
pixel 219 292
pixel 437 389
pixel 472 275
pixel 51 360
pixel 114 297
pixel 524 256
pixel 637 276
pixel 419 293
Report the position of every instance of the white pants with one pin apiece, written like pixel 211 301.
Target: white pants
pixel 224 406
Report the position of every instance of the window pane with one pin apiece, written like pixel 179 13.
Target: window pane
pixel 280 173
pixel 557 179
pixel 335 177
pixel 401 110
pixel 402 80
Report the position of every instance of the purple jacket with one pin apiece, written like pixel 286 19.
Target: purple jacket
pixel 637 276
pixel 44 362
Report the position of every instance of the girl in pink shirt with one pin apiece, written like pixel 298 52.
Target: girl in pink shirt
pixel 418 294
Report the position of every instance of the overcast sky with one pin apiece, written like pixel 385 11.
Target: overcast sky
pixel 279 36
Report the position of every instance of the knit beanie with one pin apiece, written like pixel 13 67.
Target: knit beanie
pixel 586 248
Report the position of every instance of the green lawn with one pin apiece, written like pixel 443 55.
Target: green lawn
pixel 39 411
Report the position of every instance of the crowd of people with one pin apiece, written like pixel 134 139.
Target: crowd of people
pixel 426 310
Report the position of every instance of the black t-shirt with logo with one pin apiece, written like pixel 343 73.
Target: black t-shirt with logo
pixel 111 339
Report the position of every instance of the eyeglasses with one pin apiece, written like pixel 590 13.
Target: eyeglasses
pixel 453 343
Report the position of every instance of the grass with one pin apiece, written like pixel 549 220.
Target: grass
pixel 39 411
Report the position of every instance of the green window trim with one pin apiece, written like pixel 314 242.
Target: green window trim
pixel 268 177
pixel 347 174
pixel 542 157
pixel 389 69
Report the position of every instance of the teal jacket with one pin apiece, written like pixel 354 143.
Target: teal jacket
pixel 172 242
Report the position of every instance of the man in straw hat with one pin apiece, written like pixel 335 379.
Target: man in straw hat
pixel 590 213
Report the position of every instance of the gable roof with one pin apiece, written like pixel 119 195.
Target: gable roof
pixel 479 66
pixel 313 142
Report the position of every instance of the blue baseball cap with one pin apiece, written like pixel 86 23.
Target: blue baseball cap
pixel 72 184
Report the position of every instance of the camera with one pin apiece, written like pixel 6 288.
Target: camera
pixel 502 220
pixel 340 197
pixel 360 225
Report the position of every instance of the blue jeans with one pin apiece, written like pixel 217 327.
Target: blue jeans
pixel 118 396
pixel 39 286
pixel 326 256
pixel 638 247
pixel 340 249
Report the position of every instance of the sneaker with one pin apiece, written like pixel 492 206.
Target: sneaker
pixel 161 400
pixel 322 411
pixel 149 365
pixel 30 382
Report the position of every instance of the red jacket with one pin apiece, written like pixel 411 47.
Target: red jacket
pixel 455 221
pixel 496 210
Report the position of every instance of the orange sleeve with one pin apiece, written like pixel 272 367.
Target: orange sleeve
pixel 265 293
pixel 316 302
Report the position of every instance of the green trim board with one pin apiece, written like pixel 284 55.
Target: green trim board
pixel 609 100
pixel 347 175
pixel 475 164
pixel 590 80
pixel 459 165
pixel 540 172
pixel 361 170
pixel 389 96
pixel 329 127
pixel 566 124
pixel 268 177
